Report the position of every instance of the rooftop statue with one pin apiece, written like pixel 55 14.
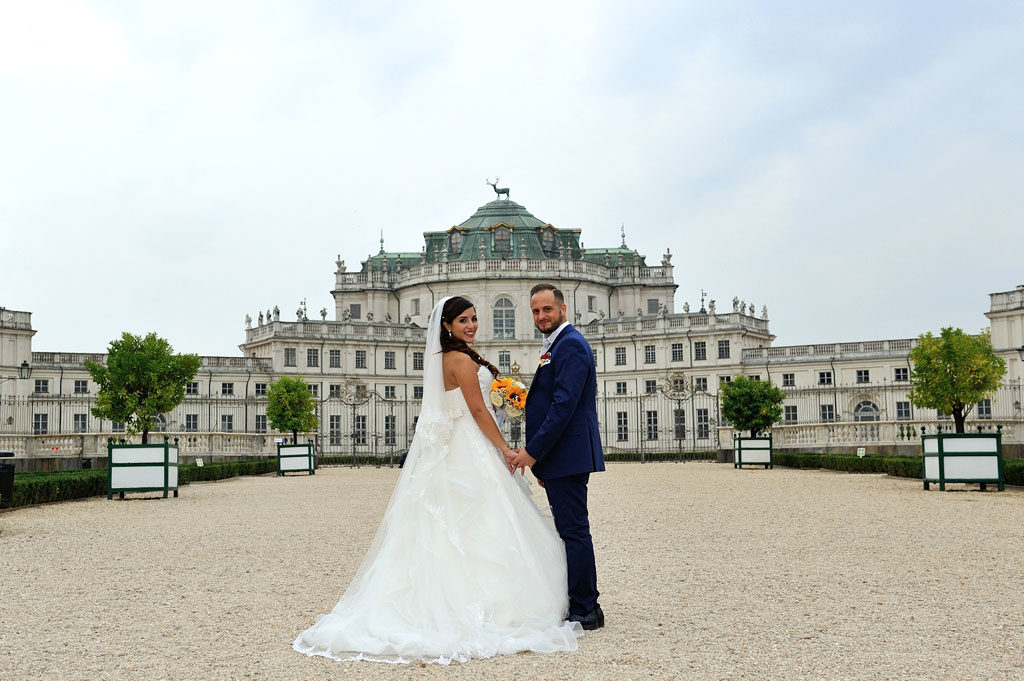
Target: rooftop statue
pixel 498 190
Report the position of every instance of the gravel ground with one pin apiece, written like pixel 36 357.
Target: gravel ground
pixel 707 572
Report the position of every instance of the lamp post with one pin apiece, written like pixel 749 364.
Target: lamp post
pixel 24 372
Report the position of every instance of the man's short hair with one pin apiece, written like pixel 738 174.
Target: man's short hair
pixel 559 298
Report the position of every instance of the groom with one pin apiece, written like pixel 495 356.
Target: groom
pixel 563 444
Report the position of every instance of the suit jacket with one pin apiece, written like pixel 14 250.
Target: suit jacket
pixel 561 410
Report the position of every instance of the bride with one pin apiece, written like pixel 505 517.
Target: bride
pixel 463 565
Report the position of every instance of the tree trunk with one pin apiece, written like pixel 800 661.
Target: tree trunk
pixel 145 437
pixel 958 418
pixel 295 437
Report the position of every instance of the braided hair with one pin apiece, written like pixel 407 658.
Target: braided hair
pixel 449 343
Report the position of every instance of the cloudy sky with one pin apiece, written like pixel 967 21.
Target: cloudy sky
pixel 172 166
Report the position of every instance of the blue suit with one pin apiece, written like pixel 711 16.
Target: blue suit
pixel 563 436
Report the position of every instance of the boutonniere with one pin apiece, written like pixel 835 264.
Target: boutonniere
pixel 544 359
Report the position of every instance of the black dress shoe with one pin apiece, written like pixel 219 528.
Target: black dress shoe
pixel 592 620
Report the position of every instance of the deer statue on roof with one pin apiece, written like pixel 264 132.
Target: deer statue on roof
pixel 498 190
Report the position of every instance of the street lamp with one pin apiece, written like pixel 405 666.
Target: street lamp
pixel 24 371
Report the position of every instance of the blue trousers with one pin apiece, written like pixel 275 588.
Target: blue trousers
pixel 568 499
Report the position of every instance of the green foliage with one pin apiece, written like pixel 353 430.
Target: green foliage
pixel 46 487
pixel 954 371
pixel 142 378
pixel 751 405
pixel 43 488
pixel 291 407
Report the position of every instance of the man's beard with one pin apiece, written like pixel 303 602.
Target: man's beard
pixel 554 324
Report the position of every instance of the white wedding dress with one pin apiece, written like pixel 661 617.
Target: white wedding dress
pixel 463 566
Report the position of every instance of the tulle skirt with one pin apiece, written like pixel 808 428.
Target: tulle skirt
pixel 463 566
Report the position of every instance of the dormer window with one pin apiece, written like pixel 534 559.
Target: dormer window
pixel 502 239
pixel 454 241
pixel 547 238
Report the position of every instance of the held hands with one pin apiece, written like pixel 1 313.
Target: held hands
pixel 519 460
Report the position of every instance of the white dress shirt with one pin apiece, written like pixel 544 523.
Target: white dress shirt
pixel 551 337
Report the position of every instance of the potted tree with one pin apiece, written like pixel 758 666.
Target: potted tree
pixel 291 407
pixel 754 406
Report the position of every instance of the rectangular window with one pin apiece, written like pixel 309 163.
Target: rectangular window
pixel 260 390
pixel 620 357
pixel 389 392
pixel 79 423
pixel 863 376
pixel 649 354
pixel 334 390
pixel 591 303
pixel 226 423
pixel 192 388
pixel 755 377
pixel 80 388
pixel 314 389
pixel 360 359
pixel 227 388
pixel 903 412
pixel 824 378
pixel 679 423
pixel 334 430
pixel 901 374
pixel 389 359
pixel 390 430
pixel 621 426
pixel 652 306
pixel 678 384
pixel 289 357
pixel 40 424
pixel 417 361
pixel 723 349
pixel 415 306
pixel 620 387
pixel 334 359
pixel 724 379
pixel 788 380
pixel 42 385
pixel 191 423
pixel 117 426
pixel 700 350
pixel 700 383
pixel 650 385
pixel 652 425
pixel 703 424
pixel 359 435
pixel 417 392
pixel 355 310
pixel 677 352
pixel 504 361
pixel 985 409
pixel 828 413
pixel 261 423
pixel 312 357
pixel 789 413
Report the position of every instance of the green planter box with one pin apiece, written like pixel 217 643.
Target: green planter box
pixel 295 459
pixel 963 457
pixel 752 451
pixel 142 468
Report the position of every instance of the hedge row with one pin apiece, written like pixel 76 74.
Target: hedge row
pixel 653 457
pixel 899 466
pixel 45 487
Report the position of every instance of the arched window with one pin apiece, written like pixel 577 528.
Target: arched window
pixel 502 239
pixel 454 241
pixel 504 319
pixel 865 411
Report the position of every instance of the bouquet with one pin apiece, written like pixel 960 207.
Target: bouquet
pixel 509 394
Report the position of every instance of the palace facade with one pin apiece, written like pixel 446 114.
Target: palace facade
pixel 659 367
